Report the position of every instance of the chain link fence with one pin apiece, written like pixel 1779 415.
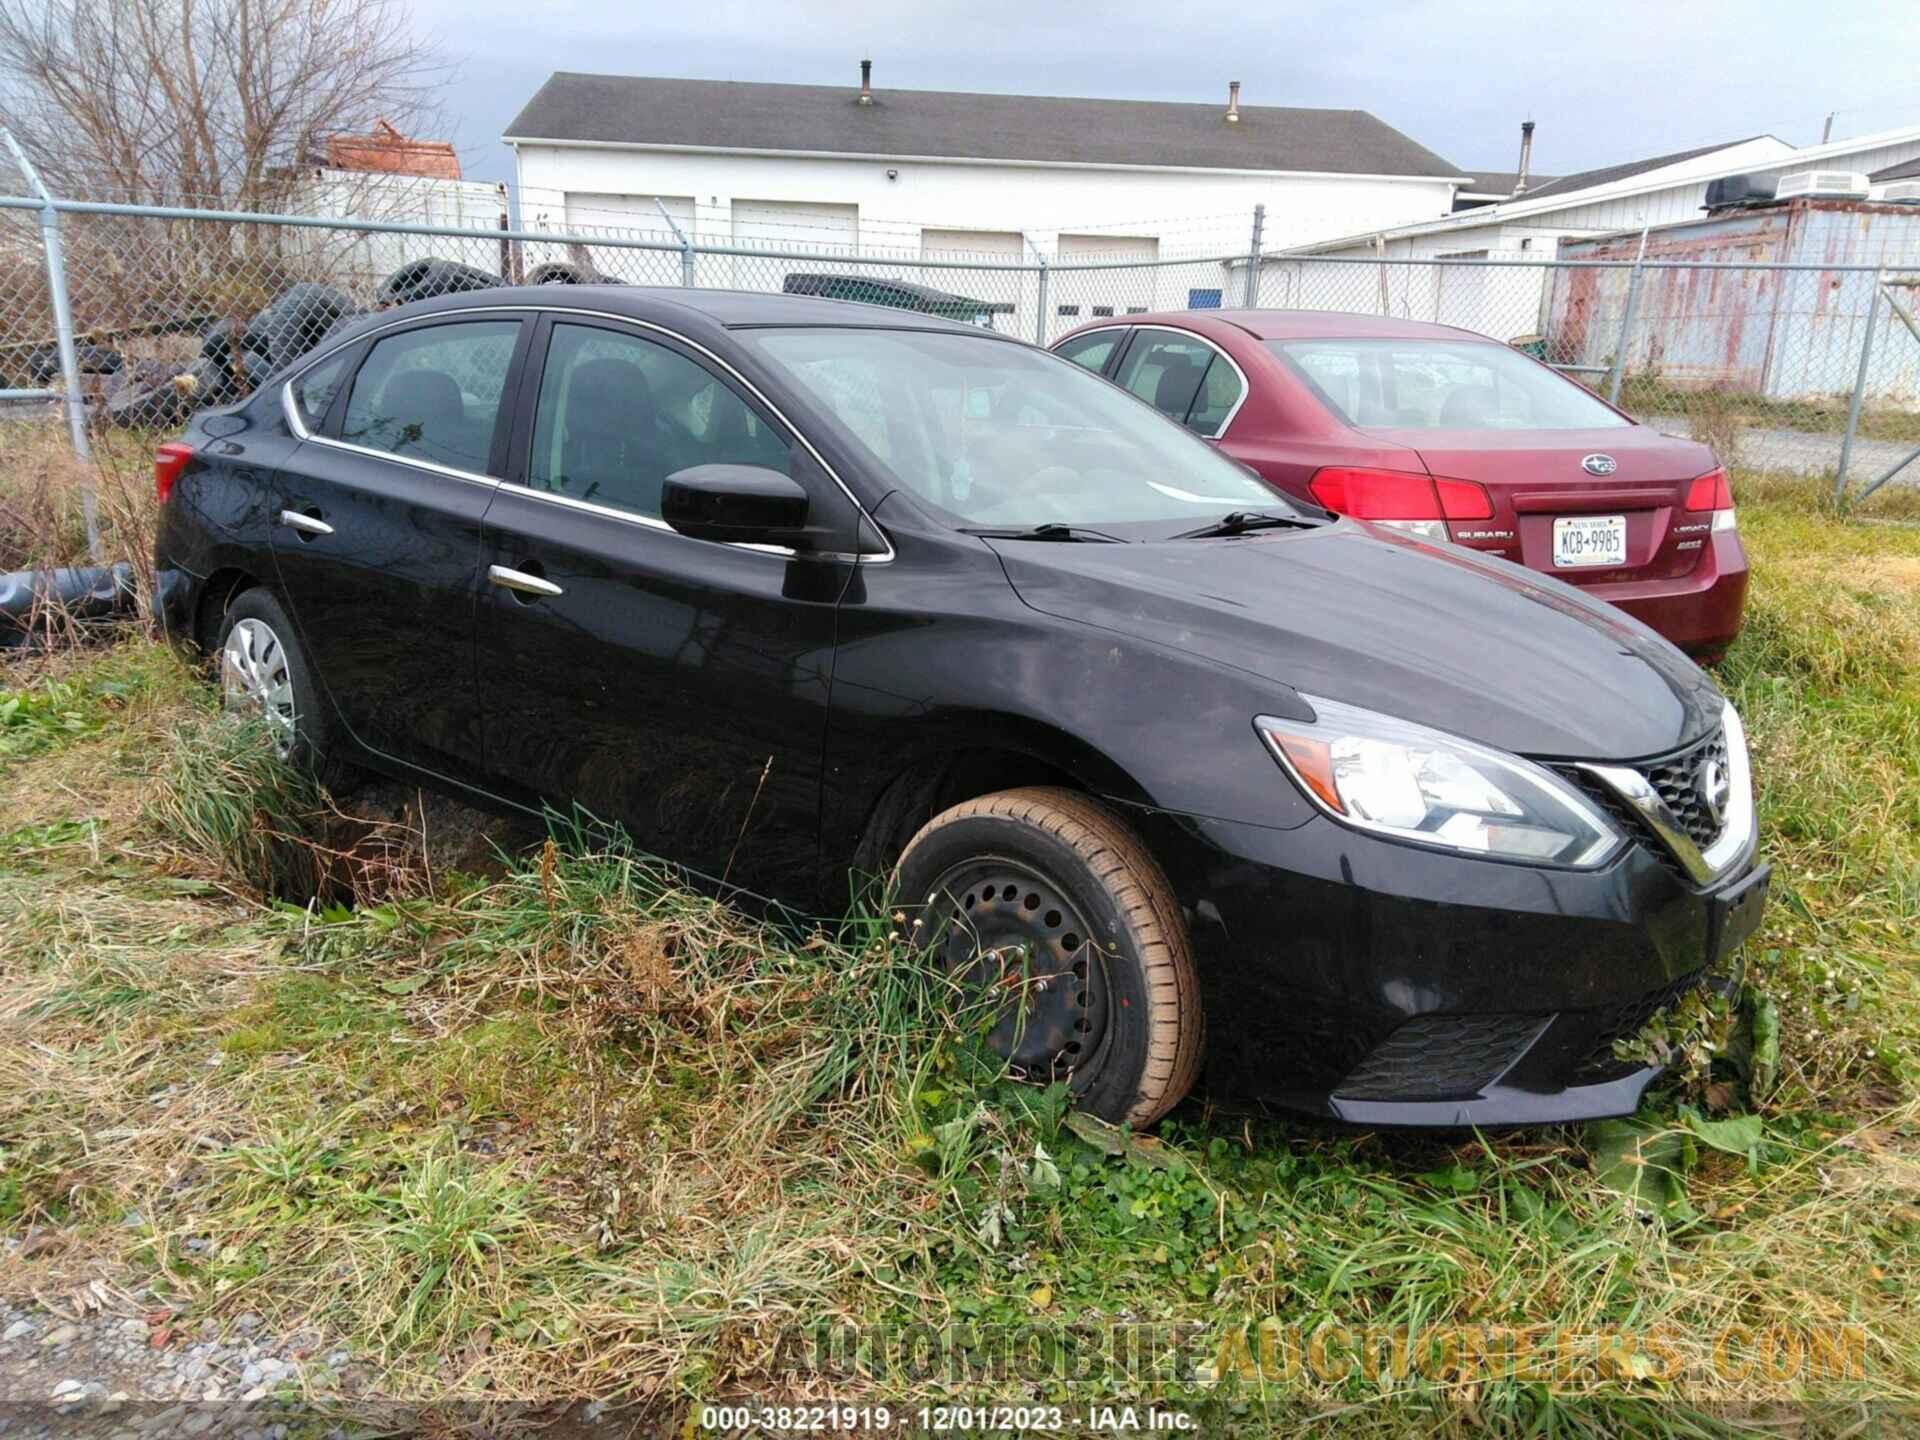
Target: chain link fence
pixel 1802 369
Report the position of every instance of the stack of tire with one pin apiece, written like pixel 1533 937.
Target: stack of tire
pixel 233 359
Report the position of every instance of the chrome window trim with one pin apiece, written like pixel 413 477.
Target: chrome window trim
pixel 1736 835
pixel 291 410
pixel 1246 387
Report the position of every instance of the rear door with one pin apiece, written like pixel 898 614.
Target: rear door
pixel 676 686
pixel 1185 378
pixel 376 533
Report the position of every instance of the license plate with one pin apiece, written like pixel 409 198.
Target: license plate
pixel 1738 911
pixel 1590 540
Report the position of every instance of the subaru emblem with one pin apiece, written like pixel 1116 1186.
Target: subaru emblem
pixel 1599 465
pixel 1716 790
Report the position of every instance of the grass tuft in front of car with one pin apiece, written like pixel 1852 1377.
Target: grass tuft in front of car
pixel 549 1124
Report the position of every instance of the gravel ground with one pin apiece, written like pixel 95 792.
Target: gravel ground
pixel 132 1375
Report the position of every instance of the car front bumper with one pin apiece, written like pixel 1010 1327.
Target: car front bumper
pixel 1389 985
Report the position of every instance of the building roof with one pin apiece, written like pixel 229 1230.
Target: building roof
pixel 1904 170
pixel 741 115
pixel 1626 170
pixel 1501 182
pixel 386 151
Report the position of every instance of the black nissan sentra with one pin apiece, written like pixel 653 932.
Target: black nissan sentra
pixel 800 592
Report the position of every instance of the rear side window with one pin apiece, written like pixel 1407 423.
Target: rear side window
pixel 1183 378
pixel 1090 350
pixel 313 390
pixel 618 414
pixel 433 393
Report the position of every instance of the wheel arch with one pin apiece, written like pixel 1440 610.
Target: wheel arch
pixel 976 756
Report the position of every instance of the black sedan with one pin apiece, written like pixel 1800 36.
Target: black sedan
pixel 806 594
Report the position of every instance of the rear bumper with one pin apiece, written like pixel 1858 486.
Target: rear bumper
pixel 1699 612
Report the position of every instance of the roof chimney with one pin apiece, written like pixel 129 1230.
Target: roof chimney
pixel 1233 102
pixel 1526 158
pixel 866 82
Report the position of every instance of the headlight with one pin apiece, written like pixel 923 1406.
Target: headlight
pixel 1399 779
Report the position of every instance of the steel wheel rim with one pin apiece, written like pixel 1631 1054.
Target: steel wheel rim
pixel 254 679
pixel 1000 924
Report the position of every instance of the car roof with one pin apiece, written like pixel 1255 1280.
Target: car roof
pixel 1307 324
pixel 729 308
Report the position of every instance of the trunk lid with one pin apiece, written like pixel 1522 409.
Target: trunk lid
pixel 1536 477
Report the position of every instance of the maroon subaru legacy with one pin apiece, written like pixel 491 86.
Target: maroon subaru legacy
pixel 1451 436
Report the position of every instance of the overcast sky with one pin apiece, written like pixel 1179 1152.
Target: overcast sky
pixel 1606 82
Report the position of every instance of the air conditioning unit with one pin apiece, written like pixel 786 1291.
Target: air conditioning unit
pixel 1898 192
pixel 1733 190
pixel 1835 184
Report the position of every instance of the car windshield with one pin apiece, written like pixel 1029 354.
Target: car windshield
pixel 1000 436
pixel 1441 385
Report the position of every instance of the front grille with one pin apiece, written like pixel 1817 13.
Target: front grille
pixel 1678 781
pixel 1622 1021
pixel 1676 778
pixel 1441 1057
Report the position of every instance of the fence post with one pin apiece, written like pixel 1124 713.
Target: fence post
pixel 1253 257
pixel 63 336
pixel 1040 316
pixel 686 245
pixel 1626 322
pixel 1859 388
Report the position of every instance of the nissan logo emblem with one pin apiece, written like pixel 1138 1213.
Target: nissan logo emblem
pixel 1599 465
pixel 1716 789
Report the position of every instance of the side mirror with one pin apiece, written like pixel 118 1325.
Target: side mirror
pixel 745 504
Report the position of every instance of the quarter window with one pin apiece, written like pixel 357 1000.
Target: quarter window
pixel 433 393
pixel 1090 350
pixel 314 390
pixel 618 414
pixel 1183 378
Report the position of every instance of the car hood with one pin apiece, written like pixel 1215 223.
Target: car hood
pixel 1431 633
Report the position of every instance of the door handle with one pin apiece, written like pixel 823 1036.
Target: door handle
pixel 305 524
pixel 523 582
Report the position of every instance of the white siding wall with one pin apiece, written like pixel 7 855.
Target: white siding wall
pixel 1199 212
pixel 400 200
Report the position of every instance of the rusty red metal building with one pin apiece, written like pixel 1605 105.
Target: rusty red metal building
pixel 1778 334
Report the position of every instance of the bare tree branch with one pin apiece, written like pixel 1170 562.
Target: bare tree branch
pixel 221 101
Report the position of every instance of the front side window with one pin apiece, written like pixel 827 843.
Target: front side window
pixel 995 434
pixel 433 393
pixel 618 414
pixel 1441 385
pixel 1185 379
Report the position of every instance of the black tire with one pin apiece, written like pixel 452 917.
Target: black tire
pixel 1009 873
pixel 311 744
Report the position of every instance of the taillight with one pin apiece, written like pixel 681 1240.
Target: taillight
pixel 1712 491
pixel 1419 503
pixel 168 461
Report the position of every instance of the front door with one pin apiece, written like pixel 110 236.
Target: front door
pixel 377 534
pixel 678 687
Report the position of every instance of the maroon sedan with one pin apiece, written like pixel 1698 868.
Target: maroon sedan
pixel 1452 436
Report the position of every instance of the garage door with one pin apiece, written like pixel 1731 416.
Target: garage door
pixel 627 215
pixel 971 245
pixel 1096 294
pixel 795 224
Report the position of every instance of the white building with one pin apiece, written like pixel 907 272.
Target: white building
pixel 1530 226
pixel 911 174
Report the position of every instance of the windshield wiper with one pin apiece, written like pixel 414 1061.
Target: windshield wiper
pixel 1052 530
pixel 1239 522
